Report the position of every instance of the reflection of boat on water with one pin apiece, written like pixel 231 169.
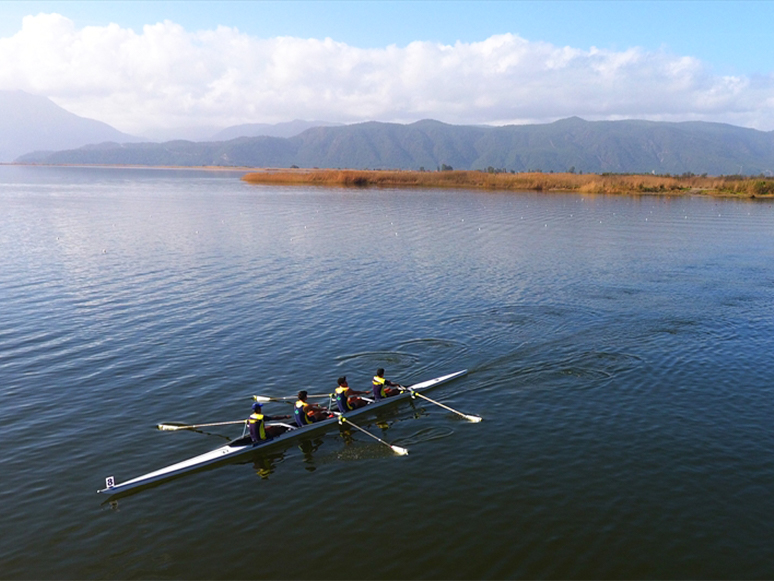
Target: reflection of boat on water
pixel 264 463
pixel 308 448
pixel 242 446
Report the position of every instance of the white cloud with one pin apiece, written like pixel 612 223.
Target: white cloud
pixel 167 77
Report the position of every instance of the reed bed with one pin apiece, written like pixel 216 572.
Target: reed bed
pixel 736 186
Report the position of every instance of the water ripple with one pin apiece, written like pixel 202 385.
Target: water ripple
pixel 616 347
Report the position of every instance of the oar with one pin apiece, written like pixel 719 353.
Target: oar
pixel 444 406
pixel 397 449
pixel 172 427
pixel 265 398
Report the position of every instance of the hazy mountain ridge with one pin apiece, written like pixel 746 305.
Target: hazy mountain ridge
pixel 588 146
pixel 286 129
pixel 29 122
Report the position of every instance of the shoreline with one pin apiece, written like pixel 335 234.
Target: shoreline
pixel 133 166
pixel 738 187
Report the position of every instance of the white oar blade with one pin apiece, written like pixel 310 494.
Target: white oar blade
pixel 474 419
pixel 170 428
pixel 262 398
pixel 399 451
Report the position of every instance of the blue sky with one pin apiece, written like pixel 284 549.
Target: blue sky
pixel 722 48
pixel 732 37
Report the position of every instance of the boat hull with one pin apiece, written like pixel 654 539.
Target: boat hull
pixel 241 447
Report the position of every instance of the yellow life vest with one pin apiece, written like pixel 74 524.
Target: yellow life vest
pixel 300 412
pixel 258 419
pixel 379 386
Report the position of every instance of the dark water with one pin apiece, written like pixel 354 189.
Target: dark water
pixel 619 348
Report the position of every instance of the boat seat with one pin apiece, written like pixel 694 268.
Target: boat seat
pixel 243 441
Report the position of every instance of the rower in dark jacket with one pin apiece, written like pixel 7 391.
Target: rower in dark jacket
pixel 346 397
pixel 308 413
pixel 259 431
pixel 384 387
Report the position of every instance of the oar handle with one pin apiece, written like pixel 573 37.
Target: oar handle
pixel 172 427
pixel 266 398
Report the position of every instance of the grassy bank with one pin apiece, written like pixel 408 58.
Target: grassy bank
pixel 735 186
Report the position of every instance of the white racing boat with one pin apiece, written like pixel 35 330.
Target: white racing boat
pixel 244 445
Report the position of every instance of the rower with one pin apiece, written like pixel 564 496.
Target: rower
pixel 346 397
pixel 259 431
pixel 384 387
pixel 308 413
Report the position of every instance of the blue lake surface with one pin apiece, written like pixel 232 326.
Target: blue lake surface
pixel 619 349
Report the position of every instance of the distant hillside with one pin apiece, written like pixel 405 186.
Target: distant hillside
pixel 30 123
pixel 287 129
pixel 590 147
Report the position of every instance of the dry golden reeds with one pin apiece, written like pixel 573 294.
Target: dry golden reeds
pixel 532 181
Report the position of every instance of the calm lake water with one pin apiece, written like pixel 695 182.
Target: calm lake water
pixel 619 349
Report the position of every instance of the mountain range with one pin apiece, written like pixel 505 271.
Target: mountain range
pixel 286 129
pixel 29 122
pixel 33 123
pixel 573 144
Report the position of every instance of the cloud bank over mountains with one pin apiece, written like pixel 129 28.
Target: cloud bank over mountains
pixel 168 77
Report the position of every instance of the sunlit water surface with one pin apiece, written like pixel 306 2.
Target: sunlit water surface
pixel 619 348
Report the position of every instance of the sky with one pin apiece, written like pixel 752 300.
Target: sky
pixel 146 67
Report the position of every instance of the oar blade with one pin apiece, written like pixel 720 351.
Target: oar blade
pixel 474 419
pixel 399 451
pixel 170 427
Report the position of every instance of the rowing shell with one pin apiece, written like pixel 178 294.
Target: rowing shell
pixel 244 445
